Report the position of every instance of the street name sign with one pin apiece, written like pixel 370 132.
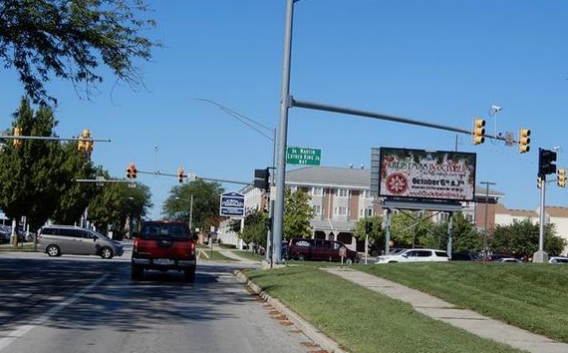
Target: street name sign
pixel 232 204
pixel 303 156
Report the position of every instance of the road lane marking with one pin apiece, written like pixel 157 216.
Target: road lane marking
pixel 18 332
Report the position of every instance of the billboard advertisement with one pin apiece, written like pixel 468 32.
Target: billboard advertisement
pixel 421 174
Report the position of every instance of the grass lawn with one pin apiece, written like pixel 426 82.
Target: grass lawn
pixel 361 320
pixel 530 296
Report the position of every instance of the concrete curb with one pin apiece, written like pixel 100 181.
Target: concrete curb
pixel 308 329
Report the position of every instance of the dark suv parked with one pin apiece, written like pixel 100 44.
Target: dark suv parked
pixel 164 245
pixel 320 250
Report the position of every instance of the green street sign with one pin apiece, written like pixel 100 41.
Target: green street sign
pixel 303 156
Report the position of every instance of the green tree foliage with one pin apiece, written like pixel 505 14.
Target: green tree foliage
pixel 116 203
pixel 522 237
pixel 31 175
pixel 70 39
pixel 75 196
pixel 465 237
pixel 409 229
pixel 376 236
pixel 206 196
pixel 255 229
pixel 297 215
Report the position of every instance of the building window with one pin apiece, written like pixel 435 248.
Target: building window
pixel 342 193
pixel 317 210
pixel 369 212
pixel 469 218
pixel 340 211
pixel 317 191
pixel 365 194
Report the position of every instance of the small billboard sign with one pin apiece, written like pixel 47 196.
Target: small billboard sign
pixel 423 174
pixel 232 204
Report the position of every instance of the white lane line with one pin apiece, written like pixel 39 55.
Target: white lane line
pixel 18 332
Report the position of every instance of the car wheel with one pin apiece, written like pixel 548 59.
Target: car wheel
pixel 137 272
pixel 189 275
pixel 106 253
pixel 301 257
pixel 53 250
pixel 393 262
pixel 348 261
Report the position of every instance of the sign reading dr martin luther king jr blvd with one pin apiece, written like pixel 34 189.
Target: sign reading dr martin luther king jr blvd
pixel 232 204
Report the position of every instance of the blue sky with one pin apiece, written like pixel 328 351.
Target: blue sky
pixel 439 61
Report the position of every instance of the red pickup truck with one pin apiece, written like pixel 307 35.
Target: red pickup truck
pixel 163 246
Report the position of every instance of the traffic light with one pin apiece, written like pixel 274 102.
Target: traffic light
pixel 131 171
pixel 17 132
pixel 262 179
pixel 368 227
pixel 546 162
pixel 561 180
pixel 134 170
pixel 180 175
pixel 539 182
pixel 478 131
pixel 85 141
pixel 524 140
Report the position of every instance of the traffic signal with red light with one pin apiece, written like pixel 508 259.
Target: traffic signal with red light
pixel 131 171
pixel 180 175
pixel 478 131
pixel 524 140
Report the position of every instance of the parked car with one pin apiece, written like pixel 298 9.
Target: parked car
pixel 163 246
pixel 320 250
pixel 56 240
pixel 414 255
pixel 463 256
pixel 558 260
pixel 509 259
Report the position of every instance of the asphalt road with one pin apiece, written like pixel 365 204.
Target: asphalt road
pixel 85 304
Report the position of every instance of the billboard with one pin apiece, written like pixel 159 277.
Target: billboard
pixel 421 174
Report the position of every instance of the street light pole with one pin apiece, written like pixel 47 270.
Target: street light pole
pixel 283 133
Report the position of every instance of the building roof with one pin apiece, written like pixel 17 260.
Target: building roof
pixel 557 211
pixel 330 176
pixel 502 209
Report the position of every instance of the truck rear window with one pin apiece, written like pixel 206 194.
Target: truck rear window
pixel 164 231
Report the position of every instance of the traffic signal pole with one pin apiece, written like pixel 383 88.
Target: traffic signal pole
pixel 541 256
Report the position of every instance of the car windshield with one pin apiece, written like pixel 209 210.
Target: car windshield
pixel 163 230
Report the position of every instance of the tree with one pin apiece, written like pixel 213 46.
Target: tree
pixel 74 196
pixel 31 177
pixel 521 238
pixel 409 228
pixel 376 236
pixel 297 215
pixel 205 210
pixel 116 204
pixel 255 229
pixel 70 39
pixel 465 237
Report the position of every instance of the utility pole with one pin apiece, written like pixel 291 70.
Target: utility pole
pixel 486 183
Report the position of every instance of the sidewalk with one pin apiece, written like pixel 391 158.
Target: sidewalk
pixel 468 320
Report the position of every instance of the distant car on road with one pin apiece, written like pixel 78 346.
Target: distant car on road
pixel 558 260
pixel 414 255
